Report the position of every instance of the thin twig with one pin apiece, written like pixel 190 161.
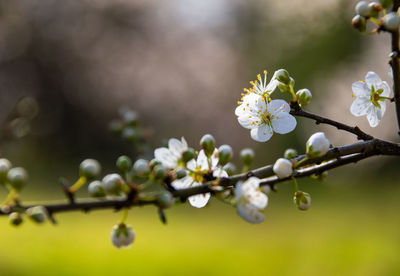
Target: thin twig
pixel 394 62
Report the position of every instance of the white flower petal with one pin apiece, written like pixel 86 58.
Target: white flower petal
pixel 165 157
pixel 360 106
pixel 191 165
pixel 386 89
pixel 360 89
pixel 182 183
pixel 202 161
pixel 372 79
pixel 258 199
pixel 250 214
pixel 278 106
pixel 262 133
pixel 199 201
pixel 284 123
pixel 272 85
pixel 248 121
pixel 374 116
pixel 218 172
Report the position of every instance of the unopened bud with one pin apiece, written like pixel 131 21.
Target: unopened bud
pixel 359 22
pixel 290 154
pixel 303 96
pixel 130 117
pixel 124 163
pixel 141 168
pixel 37 214
pixel 5 166
pixel 96 189
pixel 160 172
pixel 130 134
pixel 247 156
pixel 90 168
pixel 363 9
pixel 113 183
pixel 207 143
pixel 188 155
pixel 165 199
pixel 317 145
pixel 302 200
pixel 17 177
pixel 15 218
pixel 181 174
pixel 230 169
pixel 391 21
pixel 122 235
pixel 374 8
pixel 225 154
pixel 283 168
pixel 283 76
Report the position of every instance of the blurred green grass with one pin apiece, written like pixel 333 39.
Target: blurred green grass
pixel 348 231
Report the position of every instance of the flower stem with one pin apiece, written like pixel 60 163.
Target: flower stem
pixel 78 184
pixel 296 186
pixel 124 215
pixel 292 92
pixel 301 162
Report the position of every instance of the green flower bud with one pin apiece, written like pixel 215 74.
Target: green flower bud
pixel 284 88
pixel 130 134
pixel 160 172
pixel 207 143
pixel 247 156
pixel 141 168
pixel 230 169
pixel 124 163
pixel 17 177
pixel 96 189
pixel 165 199
pixel 283 76
pixel 116 126
pixel 359 22
pixel 15 218
pixel 302 200
pixel 290 154
pixel 225 154
pixel 303 96
pixel 113 184
pixel 90 168
pixel 386 3
pixel 181 174
pixel 122 235
pixel 5 166
pixel 363 9
pixel 391 21
pixel 130 117
pixel 188 155
pixel 37 214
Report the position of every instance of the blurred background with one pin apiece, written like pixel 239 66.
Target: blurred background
pixel 182 64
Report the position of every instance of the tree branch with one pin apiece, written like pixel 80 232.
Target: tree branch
pixel 394 62
pixel 297 111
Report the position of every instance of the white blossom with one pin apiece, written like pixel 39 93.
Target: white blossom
pixel 264 118
pixel 250 200
pixel 370 96
pixel 170 156
pixel 122 235
pixel 260 85
pixel 283 168
pixel 196 169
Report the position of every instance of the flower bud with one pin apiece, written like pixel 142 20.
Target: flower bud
pixel 374 8
pixel 317 145
pixel 90 168
pixel 266 189
pixel 359 23
pixel 181 174
pixel 130 134
pixel 363 9
pixel 283 168
pixel 96 189
pixel 303 96
pixel 283 76
pixel 141 168
pixel 302 200
pixel 225 154
pixel 5 166
pixel 113 183
pixel 188 155
pixel 230 169
pixel 160 172
pixel 290 154
pixel 247 156
pixel 124 163
pixel 130 117
pixel 165 199
pixel 116 126
pixel 122 235
pixel 284 88
pixel 391 21
pixel 37 214
pixel 207 143
pixel 15 218
pixel 17 177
